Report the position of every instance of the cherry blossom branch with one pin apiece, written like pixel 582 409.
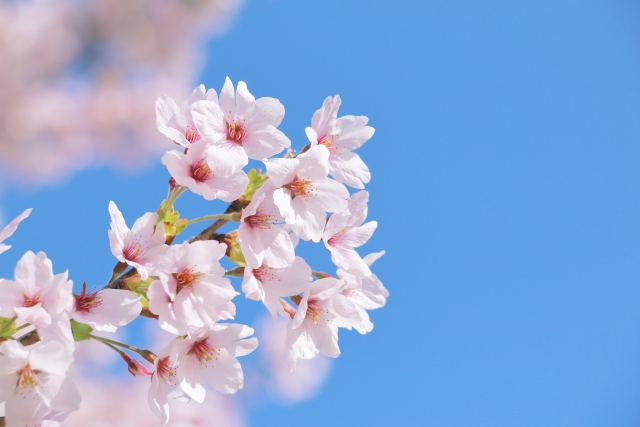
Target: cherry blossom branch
pixel 228 217
pixel 146 354
pixel 29 338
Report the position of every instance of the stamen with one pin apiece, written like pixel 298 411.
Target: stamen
pixel 133 251
pixel 236 131
pixel 166 371
pixel 317 314
pixel 260 220
pixel 200 171
pixel 205 352
pixel 191 134
pixel 27 381
pixel 187 278
pixel 87 302
pixel 264 274
pixel 31 301
pixel 303 188
pixel 329 142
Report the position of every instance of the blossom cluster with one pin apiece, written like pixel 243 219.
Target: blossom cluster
pixel 184 286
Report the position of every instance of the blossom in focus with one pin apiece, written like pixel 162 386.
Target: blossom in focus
pixel 344 232
pixel 33 382
pixel 341 136
pixel 191 291
pixel 11 228
pixel 305 194
pixel 36 294
pixel 107 309
pixel 260 236
pixel 176 122
pixel 268 284
pixel 314 328
pixel 193 171
pixel 141 246
pixel 366 293
pixel 210 356
pixel 240 127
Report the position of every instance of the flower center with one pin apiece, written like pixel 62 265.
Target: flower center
pixel 260 220
pixel 303 188
pixel 87 302
pixel 187 278
pixel 236 131
pixel 166 371
pixel 205 352
pixel 264 274
pixel 192 134
pixel 328 141
pixel 315 313
pixel 28 380
pixel 31 301
pixel 133 251
pixel 200 171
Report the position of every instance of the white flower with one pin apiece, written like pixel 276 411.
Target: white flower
pixel 341 136
pixel 305 194
pixel 107 309
pixel 344 232
pixel 192 291
pixel 142 246
pixel 240 127
pixel 177 123
pixel 210 356
pixel 11 228
pixel 34 382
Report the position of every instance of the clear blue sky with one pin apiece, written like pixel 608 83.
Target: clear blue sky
pixel 506 184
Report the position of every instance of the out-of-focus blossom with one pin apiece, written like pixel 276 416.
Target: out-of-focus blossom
pixel 193 171
pixel 341 136
pixel 11 228
pixel 83 75
pixel 240 127
pixel 140 247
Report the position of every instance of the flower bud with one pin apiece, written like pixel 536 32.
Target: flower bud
pixel 134 366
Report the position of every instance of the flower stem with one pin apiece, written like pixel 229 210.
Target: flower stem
pixel 146 354
pixel 320 275
pixel 227 217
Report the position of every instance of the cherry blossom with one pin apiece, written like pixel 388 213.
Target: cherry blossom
pixel 305 194
pixel 240 127
pixel 210 356
pixel 33 382
pixel 314 327
pixel 366 293
pixel 193 171
pixel 341 136
pixel 191 292
pixel 260 236
pixel 268 284
pixel 106 309
pixel 344 232
pixel 176 122
pixel 141 246
pixel 36 294
pixel 11 228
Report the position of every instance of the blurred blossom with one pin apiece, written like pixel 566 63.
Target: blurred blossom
pixel 283 384
pixel 79 78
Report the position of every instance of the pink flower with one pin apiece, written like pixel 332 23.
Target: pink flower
pixel 36 295
pixel 344 232
pixel 11 228
pixel 366 293
pixel 268 284
pixel 176 122
pixel 341 136
pixel 210 356
pixel 192 291
pixel 34 382
pixel 139 247
pixel 193 171
pixel 163 383
pixel 107 309
pixel 261 238
pixel 240 127
pixel 314 328
pixel 305 194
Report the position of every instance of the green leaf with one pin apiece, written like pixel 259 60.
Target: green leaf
pixel 80 331
pixel 256 179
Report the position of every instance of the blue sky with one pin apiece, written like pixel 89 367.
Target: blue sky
pixel 506 187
